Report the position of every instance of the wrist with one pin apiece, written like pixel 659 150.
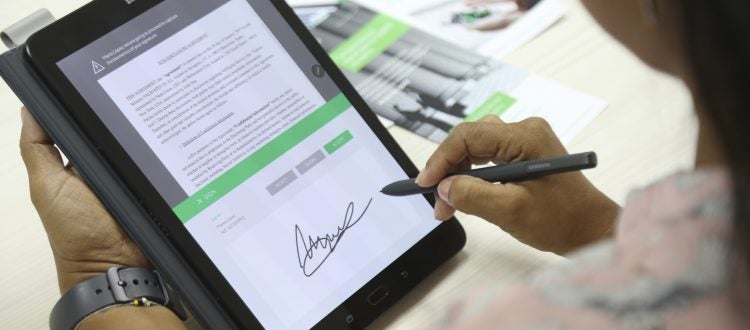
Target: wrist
pixel 131 317
pixel 70 273
pixel 118 288
pixel 597 224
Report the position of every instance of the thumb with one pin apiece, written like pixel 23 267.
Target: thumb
pixel 37 149
pixel 42 159
pixel 478 197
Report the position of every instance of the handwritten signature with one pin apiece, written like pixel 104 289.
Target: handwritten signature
pixel 313 252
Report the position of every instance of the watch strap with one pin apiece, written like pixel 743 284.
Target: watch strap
pixel 119 286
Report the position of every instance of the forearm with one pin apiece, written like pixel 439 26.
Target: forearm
pixel 131 317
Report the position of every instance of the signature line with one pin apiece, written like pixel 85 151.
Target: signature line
pixel 308 248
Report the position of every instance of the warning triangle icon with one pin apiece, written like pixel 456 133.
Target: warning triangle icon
pixel 97 67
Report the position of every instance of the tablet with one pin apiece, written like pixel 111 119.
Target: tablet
pixel 252 151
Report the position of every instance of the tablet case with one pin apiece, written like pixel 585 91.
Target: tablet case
pixel 31 90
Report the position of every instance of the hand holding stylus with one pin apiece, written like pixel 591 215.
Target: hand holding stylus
pixel 568 203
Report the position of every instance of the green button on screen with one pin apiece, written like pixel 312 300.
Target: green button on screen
pixel 338 142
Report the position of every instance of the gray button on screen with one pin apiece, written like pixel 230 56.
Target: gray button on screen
pixel 281 183
pixel 311 161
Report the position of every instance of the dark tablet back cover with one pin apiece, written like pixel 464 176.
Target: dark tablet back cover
pixel 40 101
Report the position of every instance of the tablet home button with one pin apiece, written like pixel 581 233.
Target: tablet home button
pixel 377 296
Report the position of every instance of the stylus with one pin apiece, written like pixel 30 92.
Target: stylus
pixel 521 171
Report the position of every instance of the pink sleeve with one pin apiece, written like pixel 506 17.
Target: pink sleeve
pixel 666 268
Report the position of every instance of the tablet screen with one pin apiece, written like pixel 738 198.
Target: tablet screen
pixel 256 150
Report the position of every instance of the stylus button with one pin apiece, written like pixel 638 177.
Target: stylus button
pixel 378 295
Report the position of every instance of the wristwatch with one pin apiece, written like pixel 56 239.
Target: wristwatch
pixel 118 286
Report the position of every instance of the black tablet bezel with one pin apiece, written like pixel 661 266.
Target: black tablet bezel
pixel 85 25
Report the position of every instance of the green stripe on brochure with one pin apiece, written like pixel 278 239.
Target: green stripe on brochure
pixel 256 162
pixel 368 43
pixel 496 105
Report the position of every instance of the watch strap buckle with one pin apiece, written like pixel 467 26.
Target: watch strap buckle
pixel 117 286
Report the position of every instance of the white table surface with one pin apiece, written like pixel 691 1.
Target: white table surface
pixel 648 131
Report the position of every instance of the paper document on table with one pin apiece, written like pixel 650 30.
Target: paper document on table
pixel 566 110
pixel 492 27
pixel 428 85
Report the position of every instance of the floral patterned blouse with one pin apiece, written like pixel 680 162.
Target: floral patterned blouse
pixel 666 268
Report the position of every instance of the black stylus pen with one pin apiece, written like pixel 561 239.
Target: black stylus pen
pixel 521 171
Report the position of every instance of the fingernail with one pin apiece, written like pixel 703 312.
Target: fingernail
pixel 440 213
pixel 444 190
pixel 420 178
pixel 442 216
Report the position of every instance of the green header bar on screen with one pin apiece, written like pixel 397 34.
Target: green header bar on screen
pixel 368 43
pixel 256 162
